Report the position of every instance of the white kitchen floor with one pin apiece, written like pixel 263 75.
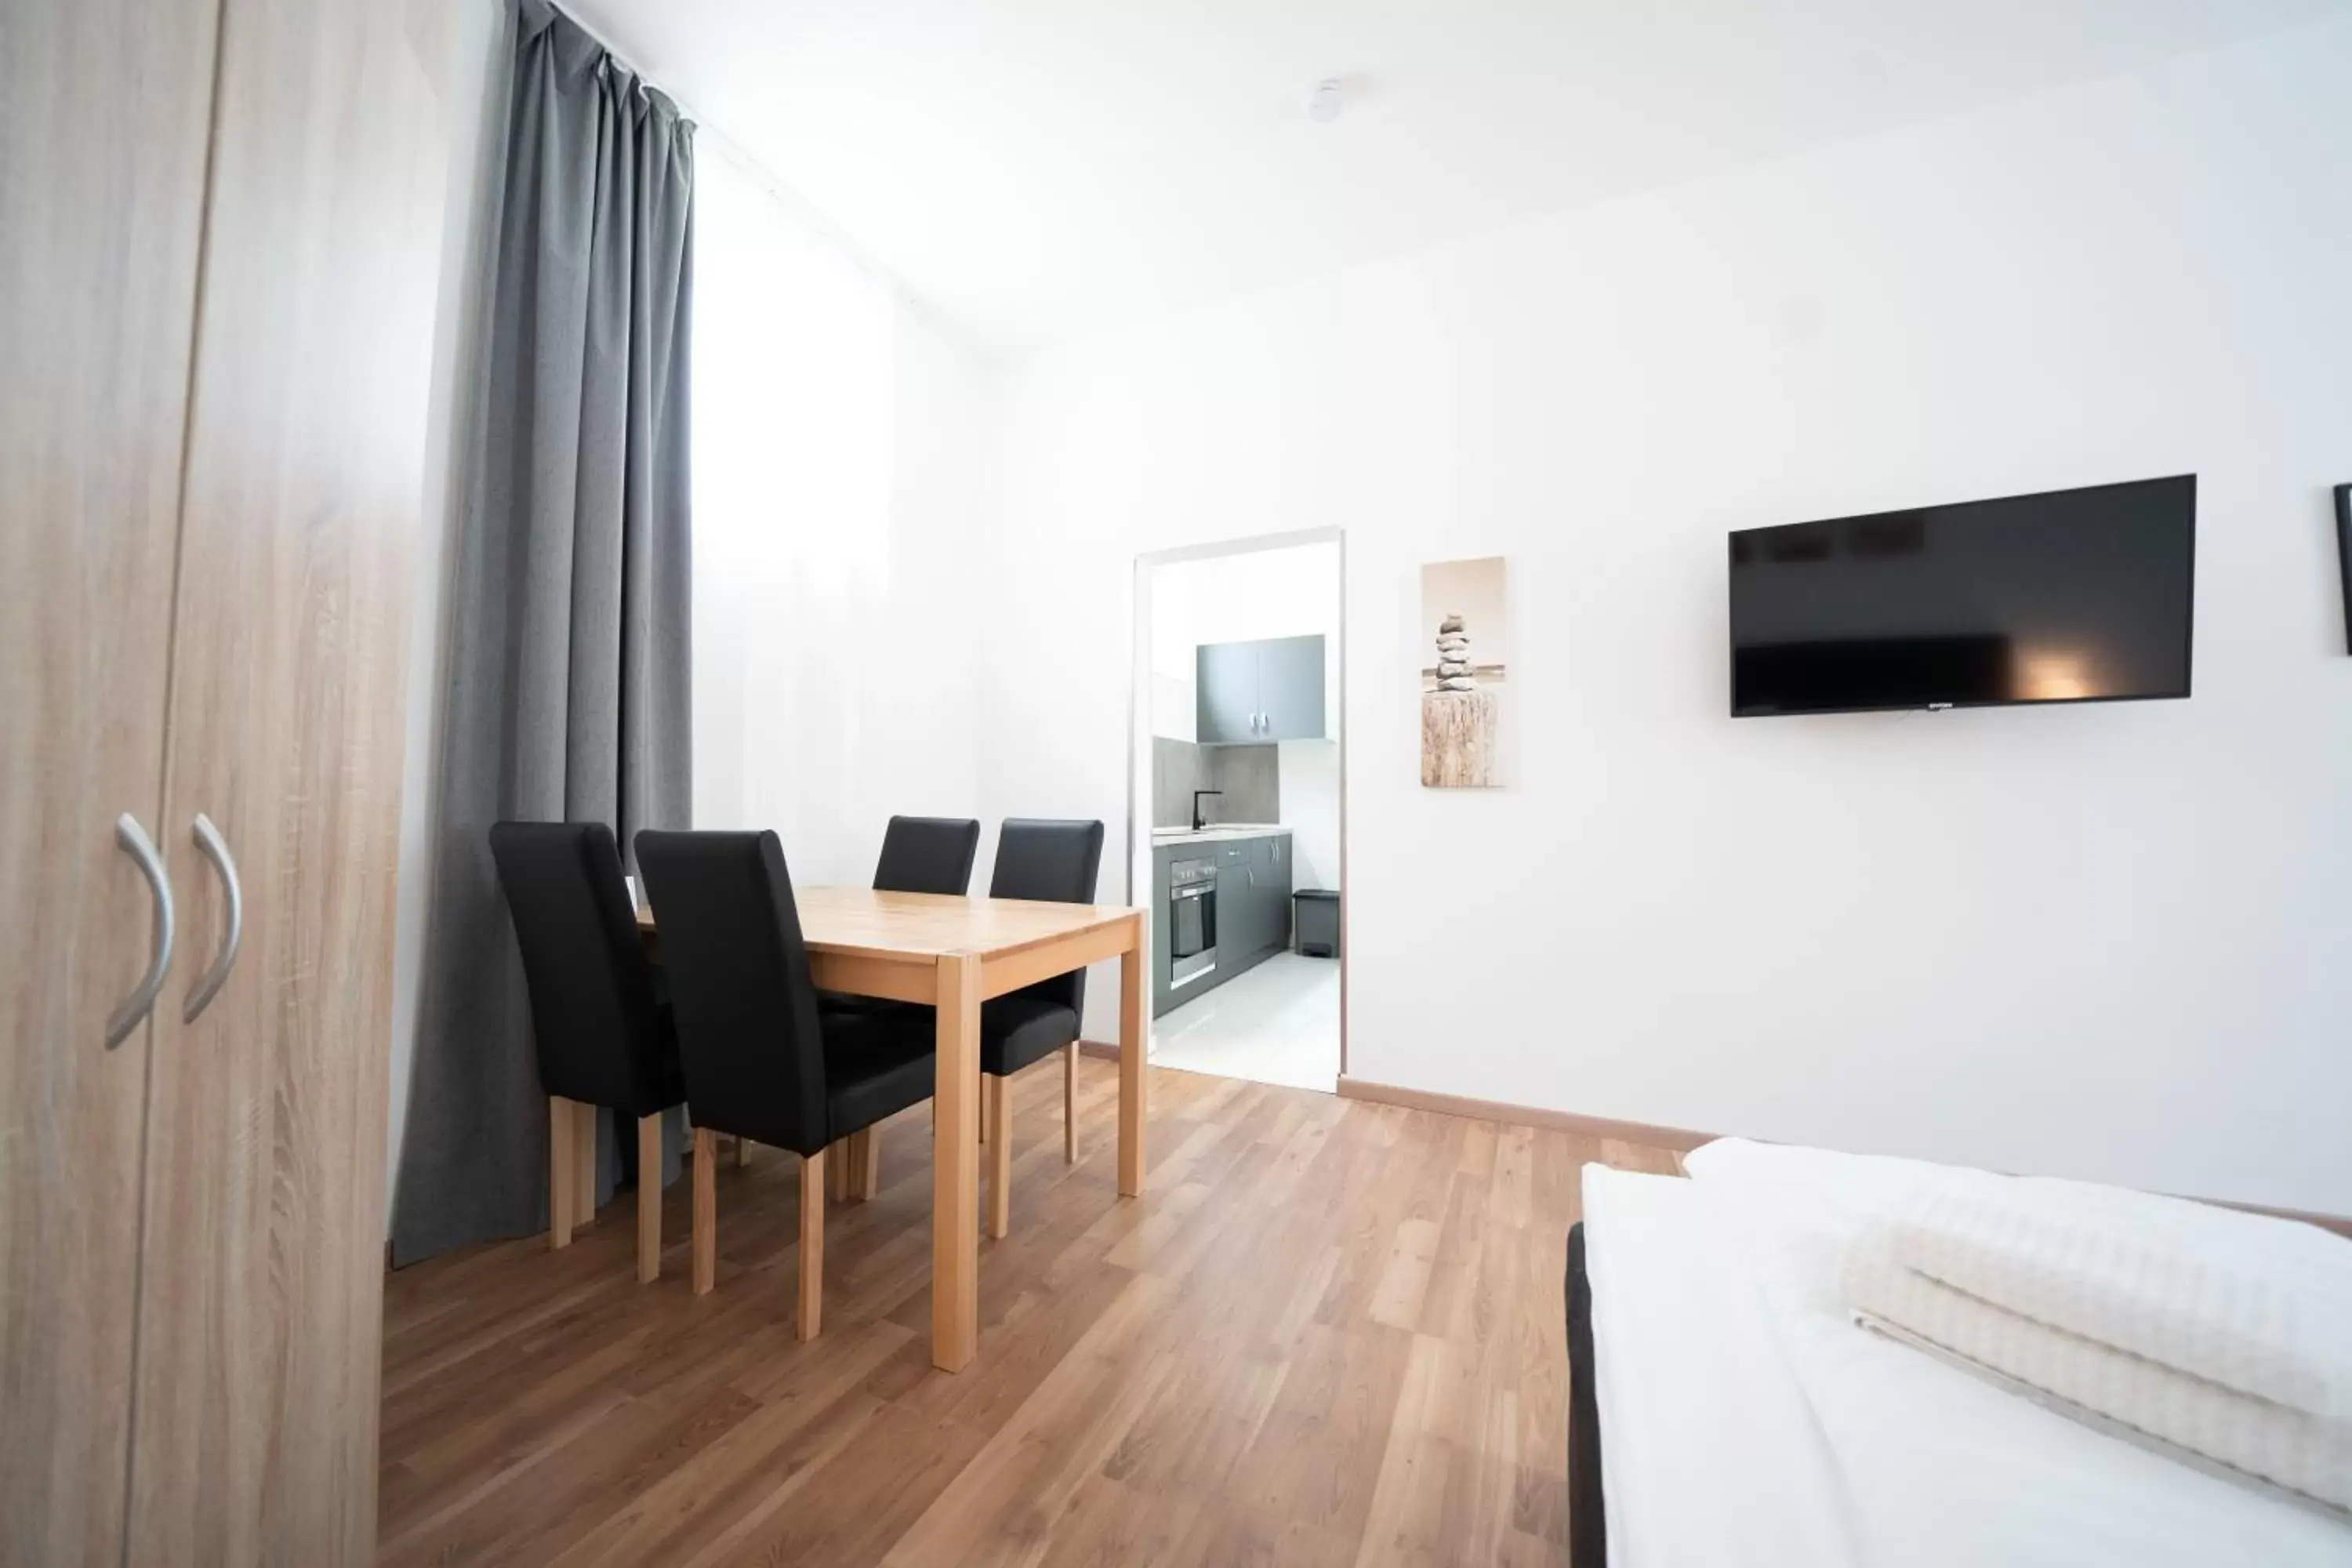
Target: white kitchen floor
pixel 1277 1023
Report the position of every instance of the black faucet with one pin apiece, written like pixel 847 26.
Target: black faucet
pixel 1197 823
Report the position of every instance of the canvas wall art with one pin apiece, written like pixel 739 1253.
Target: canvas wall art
pixel 1465 662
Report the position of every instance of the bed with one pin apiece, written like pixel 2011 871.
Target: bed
pixel 1726 1409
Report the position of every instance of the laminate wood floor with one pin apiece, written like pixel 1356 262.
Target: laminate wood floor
pixel 1330 1333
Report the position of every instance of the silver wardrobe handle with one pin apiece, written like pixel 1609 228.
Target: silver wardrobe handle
pixel 134 842
pixel 215 849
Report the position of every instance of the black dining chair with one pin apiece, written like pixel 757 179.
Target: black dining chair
pixel 1057 862
pixel 919 855
pixel 761 1061
pixel 602 1033
pixel 927 854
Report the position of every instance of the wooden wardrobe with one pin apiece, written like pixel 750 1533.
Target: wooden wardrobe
pixel 220 231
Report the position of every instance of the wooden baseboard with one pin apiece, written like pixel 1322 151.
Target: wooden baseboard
pixel 1681 1140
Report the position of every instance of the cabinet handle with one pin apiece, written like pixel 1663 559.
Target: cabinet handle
pixel 215 849
pixel 133 841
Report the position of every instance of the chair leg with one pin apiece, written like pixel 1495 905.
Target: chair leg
pixel 706 1211
pixel 999 1158
pixel 837 1171
pixel 649 1197
pixel 1070 1103
pixel 562 1164
pixel 811 1311
pixel 870 1166
pixel 743 1152
pixel 584 1148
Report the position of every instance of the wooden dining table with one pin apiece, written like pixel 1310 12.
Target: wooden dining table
pixel 954 953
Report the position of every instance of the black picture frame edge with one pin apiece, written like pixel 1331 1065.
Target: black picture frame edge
pixel 2344 554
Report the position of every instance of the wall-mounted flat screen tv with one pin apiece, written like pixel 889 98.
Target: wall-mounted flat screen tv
pixel 2073 597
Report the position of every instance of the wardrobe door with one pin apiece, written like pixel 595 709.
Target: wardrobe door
pixel 103 108
pixel 259 1334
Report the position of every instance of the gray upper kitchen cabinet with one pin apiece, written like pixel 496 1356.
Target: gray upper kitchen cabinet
pixel 1226 673
pixel 1290 690
pixel 1256 691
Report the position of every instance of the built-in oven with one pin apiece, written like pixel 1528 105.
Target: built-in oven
pixel 1191 919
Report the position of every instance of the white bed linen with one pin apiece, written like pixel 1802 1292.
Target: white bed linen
pixel 1709 1453
pixel 1747 1420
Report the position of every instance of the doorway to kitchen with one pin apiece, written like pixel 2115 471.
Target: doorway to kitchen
pixel 1236 804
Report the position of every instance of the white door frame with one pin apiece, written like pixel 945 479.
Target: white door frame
pixel 1139 725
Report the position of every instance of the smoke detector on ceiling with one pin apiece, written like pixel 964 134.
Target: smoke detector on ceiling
pixel 1328 98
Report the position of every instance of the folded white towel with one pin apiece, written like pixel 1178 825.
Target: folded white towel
pixel 2258 1305
pixel 2293 1447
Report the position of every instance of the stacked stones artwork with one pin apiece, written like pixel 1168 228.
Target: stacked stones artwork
pixel 1461 697
pixel 1453 655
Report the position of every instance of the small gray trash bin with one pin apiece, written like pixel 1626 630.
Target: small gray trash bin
pixel 1318 921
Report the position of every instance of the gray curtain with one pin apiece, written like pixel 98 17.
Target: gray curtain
pixel 567 692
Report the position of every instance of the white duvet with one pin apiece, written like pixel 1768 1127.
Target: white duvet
pixel 1747 1420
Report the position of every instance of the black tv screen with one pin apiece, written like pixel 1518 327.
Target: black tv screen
pixel 2071 596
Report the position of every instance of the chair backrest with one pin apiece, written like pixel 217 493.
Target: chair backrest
pixel 1057 862
pixel 748 1036
pixel 928 855
pixel 593 1012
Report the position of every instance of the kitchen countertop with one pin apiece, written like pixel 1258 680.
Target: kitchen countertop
pixel 1216 833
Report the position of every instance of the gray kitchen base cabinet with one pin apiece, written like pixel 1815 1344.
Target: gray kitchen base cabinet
pixel 1253 910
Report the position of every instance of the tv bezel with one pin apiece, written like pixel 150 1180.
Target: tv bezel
pixel 2188 636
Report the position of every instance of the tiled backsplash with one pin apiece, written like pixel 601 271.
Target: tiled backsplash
pixel 1250 777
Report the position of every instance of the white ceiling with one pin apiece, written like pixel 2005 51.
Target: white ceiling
pixel 1034 170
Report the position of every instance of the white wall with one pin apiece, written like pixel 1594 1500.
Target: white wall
pixel 835 463
pixel 2108 940
pixel 1309 782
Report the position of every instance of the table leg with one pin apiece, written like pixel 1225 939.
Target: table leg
pixel 1134 1039
pixel 955 1166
